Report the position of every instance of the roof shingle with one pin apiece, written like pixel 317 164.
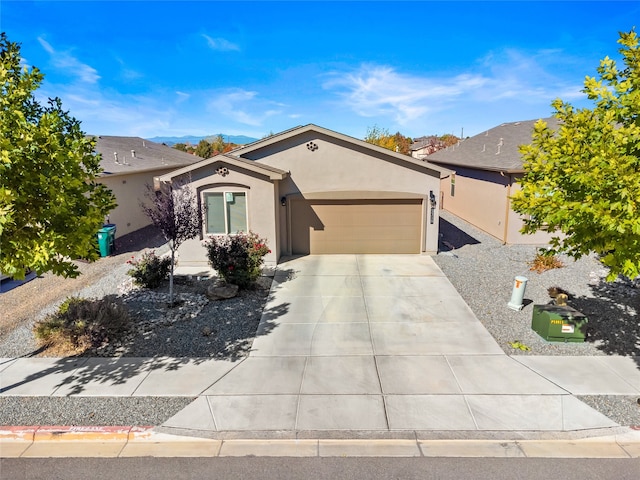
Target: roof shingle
pixel 148 155
pixel 495 150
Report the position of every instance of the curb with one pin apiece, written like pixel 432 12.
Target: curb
pixel 137 441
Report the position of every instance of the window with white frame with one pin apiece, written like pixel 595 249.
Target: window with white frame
pixel 226 212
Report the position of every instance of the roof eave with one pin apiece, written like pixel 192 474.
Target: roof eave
pixel 270 172
pixel 312 127
pixel 453 166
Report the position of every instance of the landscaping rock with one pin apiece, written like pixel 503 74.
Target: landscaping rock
pixel 222 291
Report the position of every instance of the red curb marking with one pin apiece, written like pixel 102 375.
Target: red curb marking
pixel 18 433
pixel 19 429
pixel 82 429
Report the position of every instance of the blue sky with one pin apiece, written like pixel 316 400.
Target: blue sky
pixel 151 68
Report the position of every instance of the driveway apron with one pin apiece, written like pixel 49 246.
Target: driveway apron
pixel 377 343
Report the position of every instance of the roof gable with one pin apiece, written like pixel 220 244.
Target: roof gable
pixel 497 149
pixel 273 140
pixel 266 170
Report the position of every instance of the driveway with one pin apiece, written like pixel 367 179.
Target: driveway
pixel 368 305
pixel 377 343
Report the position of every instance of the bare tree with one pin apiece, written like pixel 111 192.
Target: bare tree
pixel 174 210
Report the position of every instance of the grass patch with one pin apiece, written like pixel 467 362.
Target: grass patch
pixel 80 324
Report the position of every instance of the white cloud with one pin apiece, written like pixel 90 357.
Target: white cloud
pixel 220 44
pixel 380 90
pixel 128 73
pixel 182 96
pixel 244 106
pixel 513 76
pixel 69 64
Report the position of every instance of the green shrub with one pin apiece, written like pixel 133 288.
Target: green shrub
pixel 237 258
pixel 150 271
pixel 80 324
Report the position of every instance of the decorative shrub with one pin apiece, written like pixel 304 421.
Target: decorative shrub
pixel 80 324
pixel 150 271
pixel 544 262
pixel 237 258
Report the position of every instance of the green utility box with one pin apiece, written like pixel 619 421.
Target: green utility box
pixel 559 323
pixel 107 239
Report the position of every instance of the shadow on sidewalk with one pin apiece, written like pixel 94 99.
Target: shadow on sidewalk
pixel 234 324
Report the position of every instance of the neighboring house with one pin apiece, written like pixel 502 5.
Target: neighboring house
pixel 310 190
pixel 487 169
pixel 424 146
pixel 130 163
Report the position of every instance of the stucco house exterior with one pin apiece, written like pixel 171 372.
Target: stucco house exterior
pixel 310 190
pixel 487 168
pixel 424 146
pixel 129 164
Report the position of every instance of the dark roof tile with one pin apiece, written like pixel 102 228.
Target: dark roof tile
pixel 495 150
pixel 148 155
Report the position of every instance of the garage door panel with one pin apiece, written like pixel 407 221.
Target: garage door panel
pixel 364 226
pixel 357 246
pixel 383 215
pixel 356 232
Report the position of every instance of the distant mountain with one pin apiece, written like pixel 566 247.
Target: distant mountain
pixel 193 140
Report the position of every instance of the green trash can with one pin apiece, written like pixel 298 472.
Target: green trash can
pixel 559 323
pixel 107 239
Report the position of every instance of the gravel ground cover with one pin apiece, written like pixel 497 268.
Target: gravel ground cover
pixel 483 270
pixel 197 328
pixel 100 411
pixel 479 266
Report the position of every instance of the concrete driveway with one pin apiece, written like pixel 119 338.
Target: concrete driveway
pixel 367 305
pixel 377 343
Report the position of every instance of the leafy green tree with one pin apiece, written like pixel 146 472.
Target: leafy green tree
pixel 395 142
pixel 204 149
pixel 218 145
pixel 51 205
pixel 583 180
pixel 448 139
pixel 181 146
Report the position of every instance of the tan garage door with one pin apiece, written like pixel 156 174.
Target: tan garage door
pixel 356 226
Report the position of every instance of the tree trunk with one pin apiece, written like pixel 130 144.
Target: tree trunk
pixel 173 254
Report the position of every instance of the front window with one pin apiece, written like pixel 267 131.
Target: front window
pixel 226 212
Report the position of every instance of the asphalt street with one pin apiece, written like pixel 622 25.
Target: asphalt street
pixel 333 468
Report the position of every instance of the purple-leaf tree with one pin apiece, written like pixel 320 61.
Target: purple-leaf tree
pixel 174 210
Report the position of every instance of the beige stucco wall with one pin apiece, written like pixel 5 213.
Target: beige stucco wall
pixel 129 190
pixel 261 212
pixel 342 168
pixel 516 223
pixel 482 199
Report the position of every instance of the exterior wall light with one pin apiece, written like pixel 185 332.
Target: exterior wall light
pixel 283 201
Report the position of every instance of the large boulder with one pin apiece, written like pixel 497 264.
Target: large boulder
pixel 221 290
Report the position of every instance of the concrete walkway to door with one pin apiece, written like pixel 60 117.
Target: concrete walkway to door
pixel 378 343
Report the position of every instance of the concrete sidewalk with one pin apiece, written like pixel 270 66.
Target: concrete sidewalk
pixel 353 346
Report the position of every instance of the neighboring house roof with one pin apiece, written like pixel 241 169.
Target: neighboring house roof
pixel 267 170
pixel 265 142
pixel 423 142
pixel 494 150
pixel 148 155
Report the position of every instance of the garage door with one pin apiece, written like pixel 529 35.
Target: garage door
pixel 356 226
